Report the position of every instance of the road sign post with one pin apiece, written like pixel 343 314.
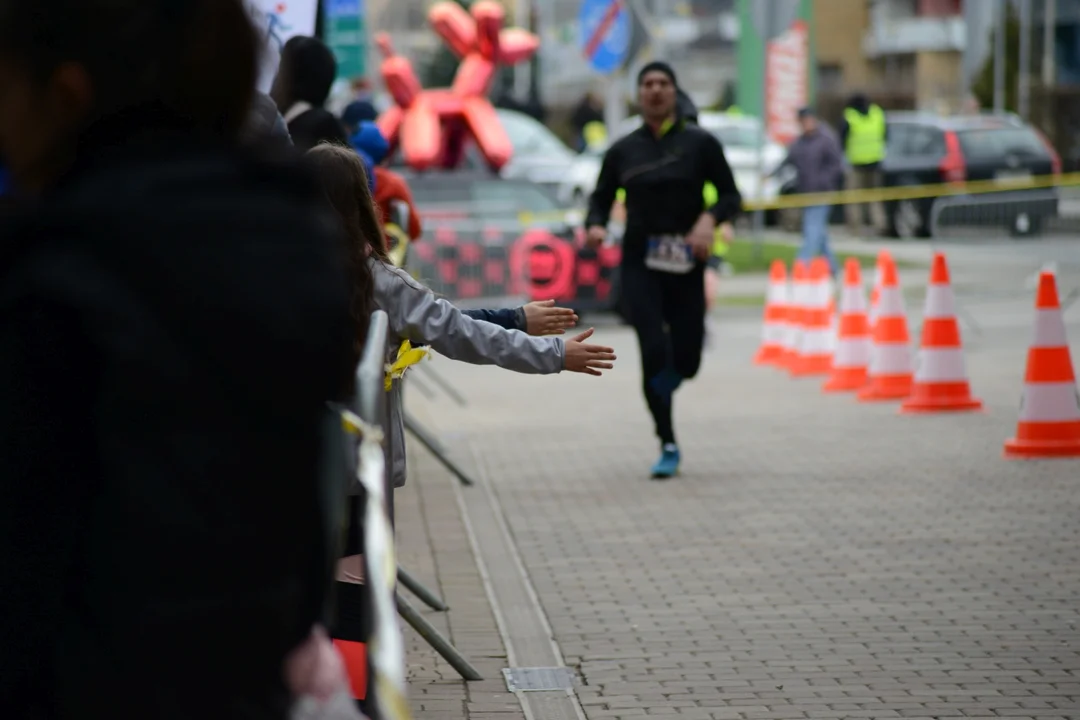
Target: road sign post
pixel 345 33
pixel 606 30
pixel 610 36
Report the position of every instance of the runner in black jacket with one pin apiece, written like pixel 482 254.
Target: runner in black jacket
pixel 663 167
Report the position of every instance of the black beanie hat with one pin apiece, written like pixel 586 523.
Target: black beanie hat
pixel 657 66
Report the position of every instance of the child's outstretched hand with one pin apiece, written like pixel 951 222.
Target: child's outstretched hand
pixel 543 318
pixel 588 359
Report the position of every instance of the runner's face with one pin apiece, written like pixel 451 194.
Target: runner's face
pixel 656 95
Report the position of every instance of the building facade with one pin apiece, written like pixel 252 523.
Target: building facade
pixel 912 50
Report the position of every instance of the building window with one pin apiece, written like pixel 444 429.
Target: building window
pixel 830 77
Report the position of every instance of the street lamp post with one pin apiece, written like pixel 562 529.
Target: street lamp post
pixel 1023 90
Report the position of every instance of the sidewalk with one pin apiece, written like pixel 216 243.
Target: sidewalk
pixel 818 558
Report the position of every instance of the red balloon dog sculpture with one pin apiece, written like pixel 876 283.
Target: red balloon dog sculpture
pixel 431 126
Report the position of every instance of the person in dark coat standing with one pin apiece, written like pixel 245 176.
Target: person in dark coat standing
pixel 819 162
pixel 174 315
pixel 301 87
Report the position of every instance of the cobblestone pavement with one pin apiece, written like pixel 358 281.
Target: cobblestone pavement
pixel 818 558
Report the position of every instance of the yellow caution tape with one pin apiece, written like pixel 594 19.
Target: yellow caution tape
pixel 882 194
pixel 914 192
pixel 407 356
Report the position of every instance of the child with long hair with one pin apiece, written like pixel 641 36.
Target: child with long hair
pixel 418 316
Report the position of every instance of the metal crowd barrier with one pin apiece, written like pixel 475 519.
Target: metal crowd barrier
pixel 371 397
pixel 1049 211
pixel 386 656
pixel 1020 206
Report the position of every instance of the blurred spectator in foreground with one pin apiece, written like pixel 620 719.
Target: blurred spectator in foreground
pixel 305 76
pixel 265 124
pixel 174 315
pixel 863 134
pixel 817 159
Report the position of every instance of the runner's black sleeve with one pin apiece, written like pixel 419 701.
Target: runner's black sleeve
pixel 717 171
pixel 607 186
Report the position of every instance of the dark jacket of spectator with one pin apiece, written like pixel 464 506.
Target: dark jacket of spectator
pixel 173 317
pixel 818 160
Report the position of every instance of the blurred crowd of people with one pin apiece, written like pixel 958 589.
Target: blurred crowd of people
pixel 187 274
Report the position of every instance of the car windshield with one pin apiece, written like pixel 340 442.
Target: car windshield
pixel 530 137
pixel 999 142
pixel 502 197
pixel 738 136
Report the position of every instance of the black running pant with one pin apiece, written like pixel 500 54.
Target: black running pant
pixel 668 313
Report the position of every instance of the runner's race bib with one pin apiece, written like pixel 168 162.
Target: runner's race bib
pixel 670 254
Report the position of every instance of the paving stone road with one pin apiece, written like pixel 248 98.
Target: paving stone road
pixel 818 558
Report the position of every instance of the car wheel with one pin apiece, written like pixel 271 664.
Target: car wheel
pixel 1025 224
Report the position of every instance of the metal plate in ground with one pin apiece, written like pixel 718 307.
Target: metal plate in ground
pixel 539 679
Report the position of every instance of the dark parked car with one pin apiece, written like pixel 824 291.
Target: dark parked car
pixel 925 149
pixel 929 149
pixel 478 195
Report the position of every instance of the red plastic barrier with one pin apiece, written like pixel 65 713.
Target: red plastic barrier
pixel 550 263
pixel 446 258
pixel 470 270
pixel 495 261
pixel 354 655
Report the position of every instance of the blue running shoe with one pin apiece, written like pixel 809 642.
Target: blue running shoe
pixel 668 464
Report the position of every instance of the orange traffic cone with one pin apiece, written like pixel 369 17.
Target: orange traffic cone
pixel 890 372
pixel 814 356
pixel 1050 409
pixel 852 357
pixel 875 289
pixel 775 323
pixel 795 310
pixel 941 382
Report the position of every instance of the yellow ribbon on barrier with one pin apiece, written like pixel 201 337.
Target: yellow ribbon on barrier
pixel 386 649
pixel 397 244
pixel 407 356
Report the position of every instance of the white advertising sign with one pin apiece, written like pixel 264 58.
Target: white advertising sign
pixel 279 20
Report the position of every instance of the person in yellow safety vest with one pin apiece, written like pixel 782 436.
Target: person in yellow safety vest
pixel 863 136
pixel 595 136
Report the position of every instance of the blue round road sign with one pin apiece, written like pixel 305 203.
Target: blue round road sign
pixel 605 27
